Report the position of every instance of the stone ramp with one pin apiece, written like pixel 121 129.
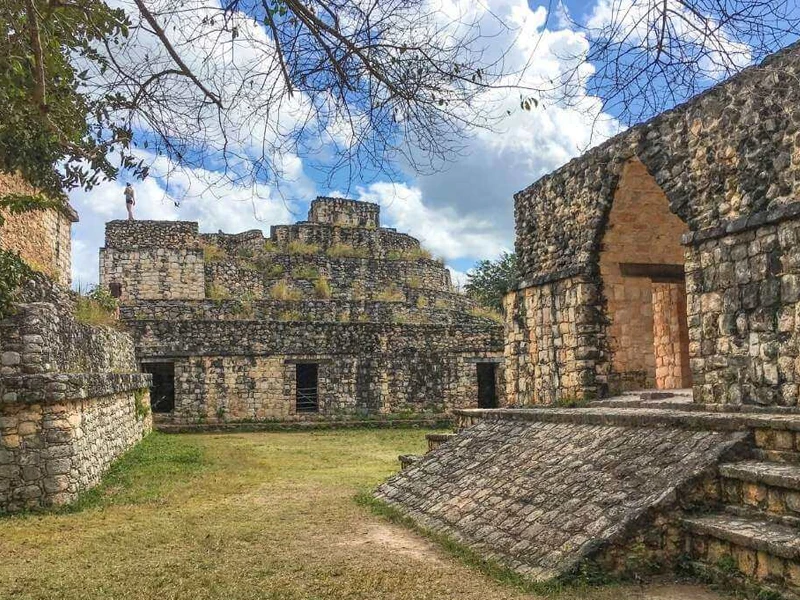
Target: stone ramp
pixel 540 497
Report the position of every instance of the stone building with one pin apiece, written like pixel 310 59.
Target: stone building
pixel 72 398
pixel 331 317
pixel 668 256
pixel 41 237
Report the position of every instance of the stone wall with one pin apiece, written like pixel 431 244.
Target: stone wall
pixel 41 237
pixel 341 211
pixel 744 315
pixel 671 336
pixel 71 400
pixel 553 342
pixel 379 243
pixel 227 372
pixel 727 164
pixel 154 273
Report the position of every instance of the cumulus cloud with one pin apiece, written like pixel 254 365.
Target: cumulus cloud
pixel 462 213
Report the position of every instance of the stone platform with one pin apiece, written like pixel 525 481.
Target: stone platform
pixel 543 491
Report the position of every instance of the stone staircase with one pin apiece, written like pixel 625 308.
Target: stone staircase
pixel 742 528
pixel 754 536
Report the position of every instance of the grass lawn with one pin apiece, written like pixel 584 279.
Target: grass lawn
pixel 246 516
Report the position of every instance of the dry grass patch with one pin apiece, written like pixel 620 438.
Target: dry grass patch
pixel 243 517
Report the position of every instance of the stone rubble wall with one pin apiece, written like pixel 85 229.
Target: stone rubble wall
pixel 349 278
pixel 727 163
pixel 342 211
pixel 543 498
pixel 41 237
pixel 71 400
pixel 225 371
pixel 744 316
pixel 127 235
pixel 154 273
pixel 50 452
pixel 332 310
pixel 378 242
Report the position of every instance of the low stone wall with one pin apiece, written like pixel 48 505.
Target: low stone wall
pixel 126 235
pixel 378 242
pixel 52 451
pixel 71 400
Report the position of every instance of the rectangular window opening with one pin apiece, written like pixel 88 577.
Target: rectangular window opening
pixel 307 379
pixel 162 391
pixel 487 392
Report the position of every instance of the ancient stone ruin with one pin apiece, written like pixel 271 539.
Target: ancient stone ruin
pixel 72 398
pixel 666 258
pixel 333 317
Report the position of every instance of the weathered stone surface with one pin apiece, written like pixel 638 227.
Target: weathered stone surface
pixel 541 497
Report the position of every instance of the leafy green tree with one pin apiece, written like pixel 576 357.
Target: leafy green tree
pixel 489 280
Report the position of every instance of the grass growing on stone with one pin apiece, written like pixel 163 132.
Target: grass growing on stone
pixel 250 516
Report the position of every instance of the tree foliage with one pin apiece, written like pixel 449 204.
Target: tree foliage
pixel 245 86
pixel 646 56
pixel 489 280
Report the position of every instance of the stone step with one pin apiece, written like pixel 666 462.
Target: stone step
pixel 747 512
pixel 437 439
pixel 782 475
pixel 755 550
pixel 760 535
pixel 406 460
pixel 773 488
pixel 776 456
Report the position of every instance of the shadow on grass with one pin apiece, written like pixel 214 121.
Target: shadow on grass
pixel 146 473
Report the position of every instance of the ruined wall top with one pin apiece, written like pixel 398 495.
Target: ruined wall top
pixel 125 235
pixel 343 211
pixel 728 159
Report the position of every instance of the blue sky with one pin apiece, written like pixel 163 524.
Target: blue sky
pixel 463 213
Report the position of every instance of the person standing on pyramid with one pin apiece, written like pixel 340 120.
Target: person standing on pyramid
pixel 130 200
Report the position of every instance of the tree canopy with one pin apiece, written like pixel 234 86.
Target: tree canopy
pixel 489 280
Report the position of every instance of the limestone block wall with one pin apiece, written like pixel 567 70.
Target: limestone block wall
pixel 342 211
pixel 235 370
pixel 554 342
pixel 379 242
pixel 744 315
pixel 154 273
pixel 71 400
pixel 51 451
pixel 41 237
pixel 728 163
pixel 640 230
pixel 671 336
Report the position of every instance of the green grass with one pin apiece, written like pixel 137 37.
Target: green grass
pixel 252 516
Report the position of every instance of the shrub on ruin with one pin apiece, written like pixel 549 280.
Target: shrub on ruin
pixel 285 291
pixel 347 251
pixel 409 254
pixel 390 294
pixel 414 282
pixel 422 302
pixel 245 253
pixel 270 247
pixel 322 289
pixel 213 253
pixel 300 247
pixel 486 313
pixel 96 307
pixel 217 292
pixel 13 271
pixel 309 272
pixel 290 315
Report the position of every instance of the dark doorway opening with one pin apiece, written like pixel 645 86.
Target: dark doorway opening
pixel 307 380
pixel 487 393
pixel 162 392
